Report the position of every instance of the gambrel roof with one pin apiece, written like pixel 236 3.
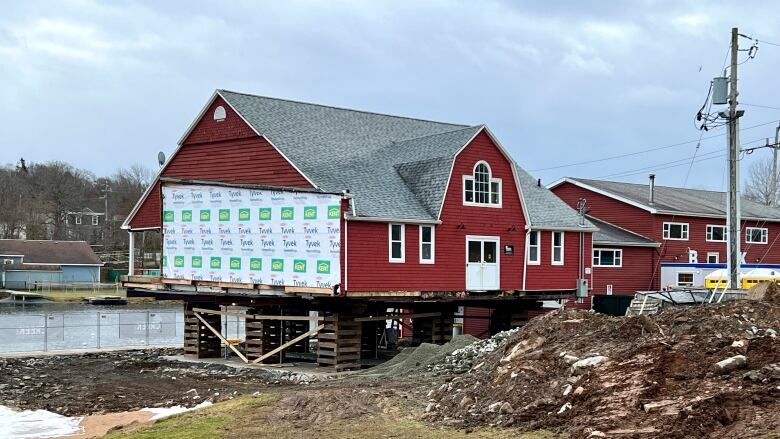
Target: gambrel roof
pixel 394 167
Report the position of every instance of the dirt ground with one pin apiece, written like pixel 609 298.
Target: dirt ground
pixel 96 383
pixel 656 376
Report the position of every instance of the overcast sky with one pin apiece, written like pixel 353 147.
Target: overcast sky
pixel 107 84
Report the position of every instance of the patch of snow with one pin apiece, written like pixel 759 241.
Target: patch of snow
pixel 164 412
pixel 36 424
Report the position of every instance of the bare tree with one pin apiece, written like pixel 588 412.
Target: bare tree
pixel 758 186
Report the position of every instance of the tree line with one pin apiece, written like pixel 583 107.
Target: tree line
pixel 36 199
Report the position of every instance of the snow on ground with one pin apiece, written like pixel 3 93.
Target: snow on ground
pixel 36 424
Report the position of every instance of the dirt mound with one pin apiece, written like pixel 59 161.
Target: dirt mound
pixel 589 374
pixel 765 291
pixel 419 359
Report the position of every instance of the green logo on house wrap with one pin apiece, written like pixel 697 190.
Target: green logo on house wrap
pixel 186 216
pixel 178 261
pixel 224 214
pixel 168 216
pixel 310 212
pixel 299 266
pixel 216 262
pixel 334 212
pixel 165 261
pixel 277 264
pixel 235 263
pixel 265 214
pixel 323 267
pixel 243 214
pixel 197 262
pixel 205 215
pixel 288 213
pixel 256 264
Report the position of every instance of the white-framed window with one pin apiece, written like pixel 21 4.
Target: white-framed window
pixel 684 279
pixel 607 257
pixel 676 231
pixel 756 235
pixel 713 257
pixel 396 242
pixel 534 248
pixel 78 219
pixel 557 248
pixel 480 188
pixel 716 233
pixel 94 220
pixel 427 242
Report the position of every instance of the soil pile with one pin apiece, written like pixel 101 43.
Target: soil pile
pixel 765 291
pixel 419 359
pixel 701 371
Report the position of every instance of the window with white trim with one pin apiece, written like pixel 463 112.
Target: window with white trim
pixel 676 231
pixel 94 220
pixel 78 219
pixel 557 248
pixel 713 257
pixel 716 233
pixel 756 235
pixel 607 257
pixel 480 188
pixel 396 242
pixel 684 279
pixel 534 249
pixel 426 244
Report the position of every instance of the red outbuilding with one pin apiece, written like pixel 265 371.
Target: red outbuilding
pixel 657 237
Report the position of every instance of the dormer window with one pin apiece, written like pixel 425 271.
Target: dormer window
pixel 480 188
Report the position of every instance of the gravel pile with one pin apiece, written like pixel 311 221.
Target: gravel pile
pixel 420 359
pixel 461 360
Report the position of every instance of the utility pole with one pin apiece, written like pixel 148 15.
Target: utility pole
pixel 734 255
pixel 773 200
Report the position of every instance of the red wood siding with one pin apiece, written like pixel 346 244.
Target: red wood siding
pixel 208 130
pixel 634 275
pixel 478 327
pixel 227 151
pixel 610 210
pixel 149 214
pixel 546 276
pixel 368 265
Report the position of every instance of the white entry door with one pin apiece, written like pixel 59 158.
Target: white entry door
pixel 482 272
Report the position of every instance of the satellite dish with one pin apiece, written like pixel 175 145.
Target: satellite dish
pixel 161 158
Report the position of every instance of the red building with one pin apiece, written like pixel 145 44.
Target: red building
pixel 430 208
pixel 654 237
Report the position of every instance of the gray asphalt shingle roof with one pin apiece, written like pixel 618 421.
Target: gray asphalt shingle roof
pixel 395 167
pixel 680 200
pixel 544 208
pixel 610 234
pixel 50 252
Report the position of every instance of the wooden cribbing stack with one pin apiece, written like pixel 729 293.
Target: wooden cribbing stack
pixel 339 342
pixel 199 340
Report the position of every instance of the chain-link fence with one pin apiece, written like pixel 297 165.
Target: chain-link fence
pixel 89 330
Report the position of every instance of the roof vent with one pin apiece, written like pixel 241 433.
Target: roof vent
pixel 652 189
pixel 219 113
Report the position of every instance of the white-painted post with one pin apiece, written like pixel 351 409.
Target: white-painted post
pixel 131 245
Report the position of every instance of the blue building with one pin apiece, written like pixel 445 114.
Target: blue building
pixel 26 264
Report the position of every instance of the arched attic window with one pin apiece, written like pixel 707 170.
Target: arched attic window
pixel 480 188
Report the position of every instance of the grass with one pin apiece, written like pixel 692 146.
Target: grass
pixel 254 417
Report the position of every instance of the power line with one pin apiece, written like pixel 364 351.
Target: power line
pixel 685 163
pixel 760 106
pixel 658 148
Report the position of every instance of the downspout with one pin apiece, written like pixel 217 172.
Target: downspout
pixel 346 247
pixel 525 256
